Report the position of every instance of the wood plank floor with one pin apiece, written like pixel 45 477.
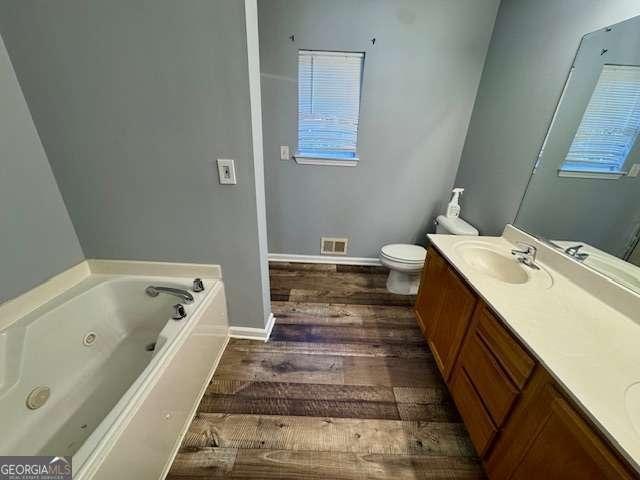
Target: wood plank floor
pixel 344 389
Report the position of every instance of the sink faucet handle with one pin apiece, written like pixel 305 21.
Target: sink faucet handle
pixel 198 285
pixel 526 246
pixel 179 312
pixel 524 249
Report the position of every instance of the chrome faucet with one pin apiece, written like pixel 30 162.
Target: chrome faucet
pixel 526 255
pixel 183 295
pixel 575 252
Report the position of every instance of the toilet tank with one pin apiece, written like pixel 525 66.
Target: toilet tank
pixel 454 226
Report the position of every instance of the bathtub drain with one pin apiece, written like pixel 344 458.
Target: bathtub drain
pixel 38 397
pixel 89 339
pixel 150 347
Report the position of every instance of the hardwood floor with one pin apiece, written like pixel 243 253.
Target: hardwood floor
pixel 344 389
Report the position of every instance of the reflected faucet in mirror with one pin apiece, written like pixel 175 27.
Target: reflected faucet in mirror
pixel 575 252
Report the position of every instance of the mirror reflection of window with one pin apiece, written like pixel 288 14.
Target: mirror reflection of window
pixel 610 124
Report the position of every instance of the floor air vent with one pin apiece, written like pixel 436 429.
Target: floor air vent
pixel 333 246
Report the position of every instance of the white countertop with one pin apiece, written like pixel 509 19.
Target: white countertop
pixel 590 347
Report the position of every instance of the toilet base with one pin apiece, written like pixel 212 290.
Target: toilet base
pixel 403 283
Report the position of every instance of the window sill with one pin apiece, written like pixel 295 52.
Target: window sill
pixel 594 175
pixel 328 161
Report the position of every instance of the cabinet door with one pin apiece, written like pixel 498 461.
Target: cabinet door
pixel 488 378
pixel 451 322
pixel 476 418
pixel 550 440
pixel 430 294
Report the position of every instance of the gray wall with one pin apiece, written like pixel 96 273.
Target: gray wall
pixel 531 51
pixel 601 212
pixel 37 240
pixel 134 100
pixel 419 85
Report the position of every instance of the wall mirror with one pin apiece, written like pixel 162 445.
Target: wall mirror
pixel 584 191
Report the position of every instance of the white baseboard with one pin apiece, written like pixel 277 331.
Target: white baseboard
pixel 284 257
pixel 254 333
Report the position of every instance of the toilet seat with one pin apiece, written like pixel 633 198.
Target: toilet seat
pixel 404 253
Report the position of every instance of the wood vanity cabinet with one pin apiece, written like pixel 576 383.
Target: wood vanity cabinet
pixel 519 421
pixel 548 438
pixel 443 307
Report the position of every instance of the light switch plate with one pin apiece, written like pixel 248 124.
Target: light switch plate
pixel 226 171
pixel 284 152
pixel 634 170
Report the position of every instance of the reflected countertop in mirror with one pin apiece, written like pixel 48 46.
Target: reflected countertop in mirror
pixel 625 273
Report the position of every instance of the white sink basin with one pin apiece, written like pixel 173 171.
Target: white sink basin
pixel 632 405
pixel 499 265
pixel 495 265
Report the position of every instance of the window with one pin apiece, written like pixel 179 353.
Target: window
pixel 609 127
pixel 328 106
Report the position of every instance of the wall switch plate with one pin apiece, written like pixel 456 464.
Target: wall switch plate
pixel 634 170
pixel 284 152
pixel 226 171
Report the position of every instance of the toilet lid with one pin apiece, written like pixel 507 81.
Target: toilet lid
pixel 404 252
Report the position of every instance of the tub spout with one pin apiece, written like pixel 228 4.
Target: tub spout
pixel 154 291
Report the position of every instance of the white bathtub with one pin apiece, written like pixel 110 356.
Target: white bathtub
pixel 99 391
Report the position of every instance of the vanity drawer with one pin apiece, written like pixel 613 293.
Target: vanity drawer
pixel 478 422
pixel 489 379
pixel 515 361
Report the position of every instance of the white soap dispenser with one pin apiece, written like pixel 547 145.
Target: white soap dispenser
pixel 453 208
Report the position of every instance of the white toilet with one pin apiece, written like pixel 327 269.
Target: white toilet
pixel 406 261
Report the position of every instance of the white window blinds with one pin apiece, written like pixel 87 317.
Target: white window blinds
pixel 610 124
pixel 328 103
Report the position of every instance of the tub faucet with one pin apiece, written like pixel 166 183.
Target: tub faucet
pixel 526 255
pixel 183 295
